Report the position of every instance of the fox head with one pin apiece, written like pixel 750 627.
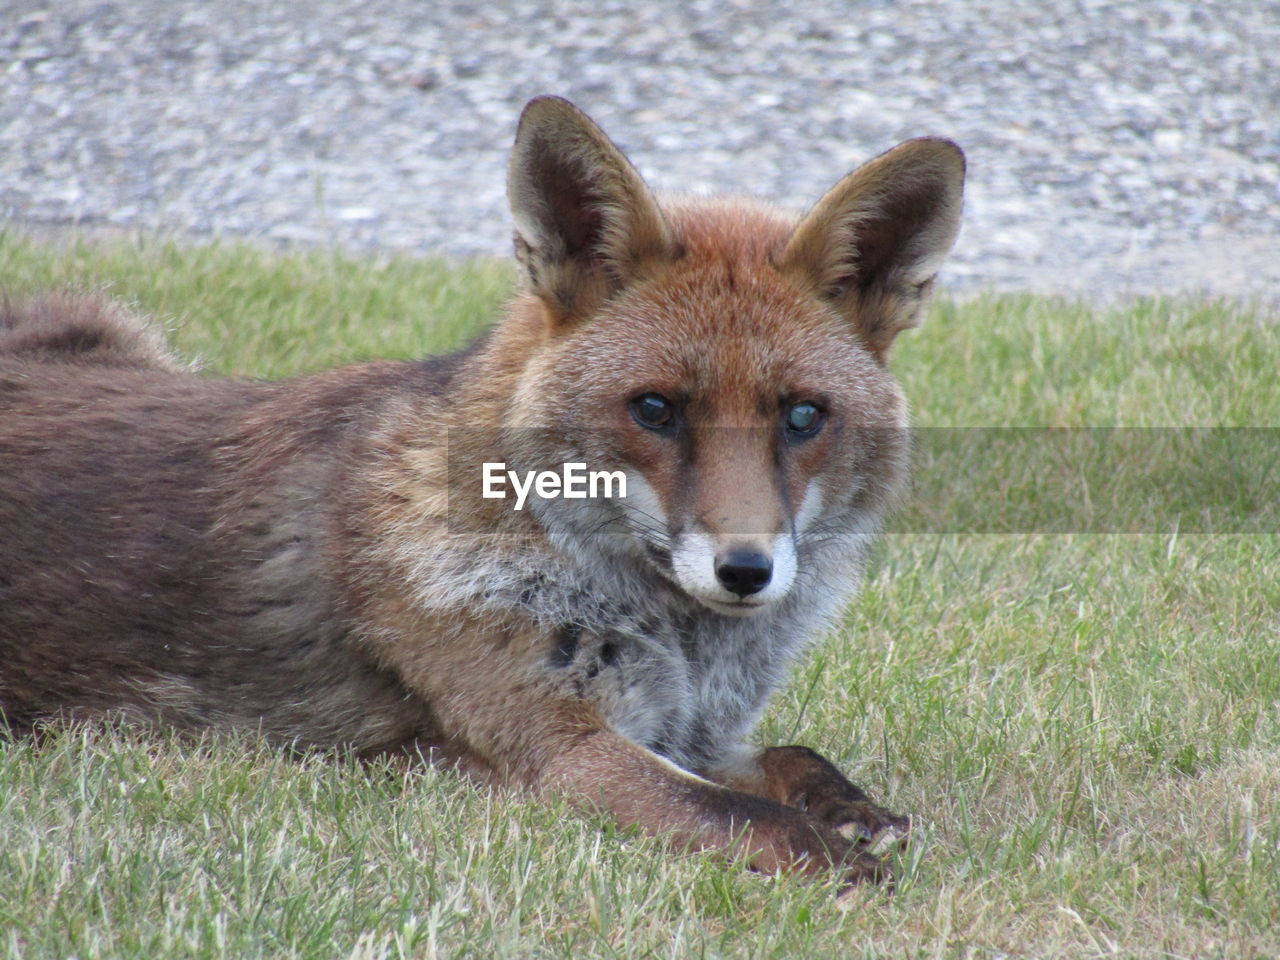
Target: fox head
pixel 730 358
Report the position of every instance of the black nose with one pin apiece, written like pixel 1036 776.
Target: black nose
pixel 744 572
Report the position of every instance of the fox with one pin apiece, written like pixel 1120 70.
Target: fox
pixel 316 561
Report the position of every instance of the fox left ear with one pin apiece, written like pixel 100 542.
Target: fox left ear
pixel 873 245
pixel 586 223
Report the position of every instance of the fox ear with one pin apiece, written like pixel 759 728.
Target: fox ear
pixel 586 223
pixel 874 243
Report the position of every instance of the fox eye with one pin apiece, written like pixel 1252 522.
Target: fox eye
pixel 652 410
pixel 803 420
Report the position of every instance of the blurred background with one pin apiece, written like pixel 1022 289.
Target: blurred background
pixel 1114 147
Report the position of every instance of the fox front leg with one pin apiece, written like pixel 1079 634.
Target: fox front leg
pixel 803 779
pixel 637 787
pixel 531 734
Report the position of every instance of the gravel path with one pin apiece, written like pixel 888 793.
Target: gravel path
pixel 1114 147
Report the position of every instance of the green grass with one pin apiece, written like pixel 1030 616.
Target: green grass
pixel 1086 725
pixel 238 310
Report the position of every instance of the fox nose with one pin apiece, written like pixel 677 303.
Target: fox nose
pixel 744 572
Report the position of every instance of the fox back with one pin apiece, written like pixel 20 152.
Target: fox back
pixel 327 559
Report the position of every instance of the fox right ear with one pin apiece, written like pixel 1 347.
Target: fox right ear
pixel 872 246
pixel 586 223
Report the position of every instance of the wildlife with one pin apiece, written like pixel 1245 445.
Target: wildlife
pixel 316 560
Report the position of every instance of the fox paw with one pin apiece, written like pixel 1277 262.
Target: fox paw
pixel 860 822
pixel 872 828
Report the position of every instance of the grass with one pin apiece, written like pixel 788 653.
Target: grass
pixel 1087 725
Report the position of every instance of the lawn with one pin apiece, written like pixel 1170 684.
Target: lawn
pixel 1085 723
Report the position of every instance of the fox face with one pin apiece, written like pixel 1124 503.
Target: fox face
pixel 729 358
pixel 748 417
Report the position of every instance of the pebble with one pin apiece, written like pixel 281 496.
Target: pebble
pixel 1115 148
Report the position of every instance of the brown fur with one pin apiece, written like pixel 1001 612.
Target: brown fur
pixel 64 328
pixel 310 559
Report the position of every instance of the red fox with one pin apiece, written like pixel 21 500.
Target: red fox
pixel 333 560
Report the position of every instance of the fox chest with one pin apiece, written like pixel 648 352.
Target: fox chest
pixel 687 694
